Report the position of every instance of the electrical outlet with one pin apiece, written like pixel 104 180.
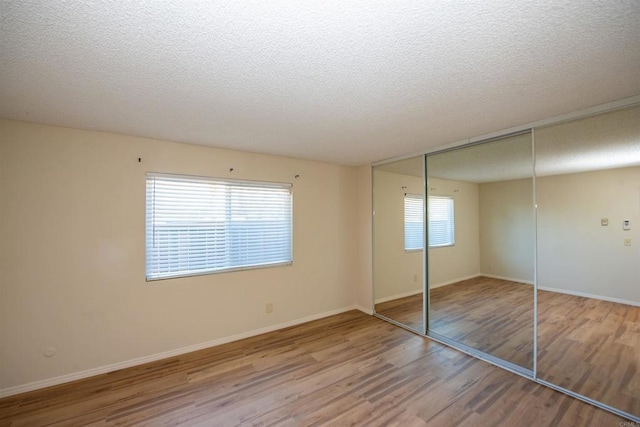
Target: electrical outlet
pixel 269 308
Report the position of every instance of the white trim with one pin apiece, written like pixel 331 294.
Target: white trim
pixel 36 385
pixel 398 296
pixel 451 282
pixel 510 279
pixel 586 295
pixel 535 253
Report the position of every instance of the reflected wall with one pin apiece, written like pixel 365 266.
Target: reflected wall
pixel 398 239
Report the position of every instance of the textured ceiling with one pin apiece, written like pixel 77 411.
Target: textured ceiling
pixel 348 82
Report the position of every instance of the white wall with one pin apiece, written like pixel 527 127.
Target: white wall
pixel 577 254
pixel 72 268
pixel 507 229
pixel 453 263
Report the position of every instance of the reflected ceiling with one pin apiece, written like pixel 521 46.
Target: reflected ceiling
pixel 571 147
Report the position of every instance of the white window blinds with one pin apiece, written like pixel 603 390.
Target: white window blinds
pixel 200 225
pixel 441 222
pixel 413 222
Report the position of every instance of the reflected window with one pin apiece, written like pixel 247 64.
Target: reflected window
pixel 413 223
pixel 441 222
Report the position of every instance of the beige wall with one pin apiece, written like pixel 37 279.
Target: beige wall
pixel 452 263
pixel 507 229
pixel 72 272
pixel 577 254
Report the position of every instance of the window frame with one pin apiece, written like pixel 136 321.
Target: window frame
pixel 224 181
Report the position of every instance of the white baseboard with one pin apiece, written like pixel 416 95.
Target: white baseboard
pixel 451 282
pixel 510 279
pixel 459 279
pixel 437 285
pixel 398 296
pixel 586 295
pixel 166 354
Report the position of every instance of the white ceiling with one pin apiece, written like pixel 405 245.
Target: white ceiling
pixel 349 82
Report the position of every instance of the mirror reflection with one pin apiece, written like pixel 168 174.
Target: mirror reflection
pixel 481 247
pixel 588 186
pixel 398 235
pixel 486 244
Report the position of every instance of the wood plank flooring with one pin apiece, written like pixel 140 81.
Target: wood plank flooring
pixel 348 369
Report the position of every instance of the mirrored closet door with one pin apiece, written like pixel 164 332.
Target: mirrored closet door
pixel 588 249
pixel 480 211
pixel 398 242
pixel 532 242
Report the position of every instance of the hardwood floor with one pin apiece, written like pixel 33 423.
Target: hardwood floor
pixel 349 369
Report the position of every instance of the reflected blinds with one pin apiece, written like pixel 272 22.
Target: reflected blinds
pixel 441 221
pixel 413 222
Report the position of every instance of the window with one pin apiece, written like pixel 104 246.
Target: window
pixel 202 225
pixel 441 222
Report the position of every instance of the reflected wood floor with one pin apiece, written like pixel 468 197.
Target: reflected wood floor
pixel 492 315
pixel 348 369
pixel 591 347
pixel 407 310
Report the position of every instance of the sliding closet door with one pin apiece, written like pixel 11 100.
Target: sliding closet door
pixel 588 195
pixel 481 248
pixel 398 242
